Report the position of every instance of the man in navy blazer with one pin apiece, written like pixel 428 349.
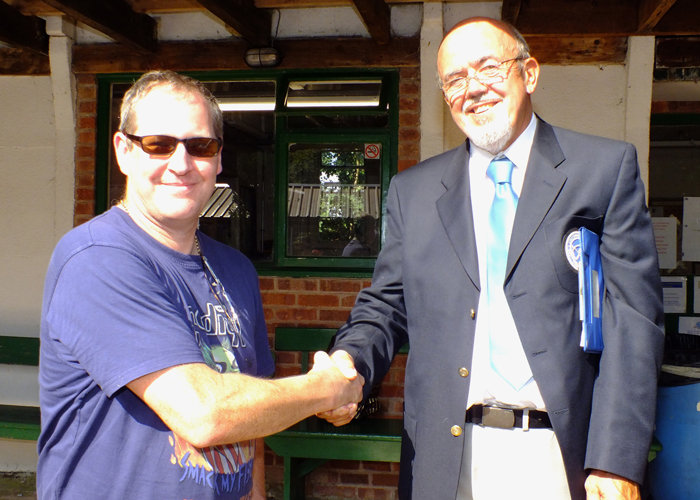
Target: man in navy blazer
pixel 582 420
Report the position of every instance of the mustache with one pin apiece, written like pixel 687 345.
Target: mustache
pixel 486 96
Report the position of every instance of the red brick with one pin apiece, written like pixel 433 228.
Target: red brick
pixel 83 151
pixel 86 92
pixel 354 478
pixel 406 164
pixel 333 315
pixel 340 285
pixel 409 150
pixel 269 314
pixel 377 493
pixel 267 283
pixel 409 72
pixel 278 299
pixel 87 122
pixel 287 371
pixel 377 466
pixel 84 78
pixel 409 134
pixel 85 194
pixel 289 358
pixel 296 314
pixel 334 491
pixel 391 391
pixel 400 361
pixel 409 88
pixel 316 300
pixel 284 284
pixel 409 103
pixel 85 165
pixel 85 179
pixel 409 120
pixel 347 301
pixel 379 479
pixel 85 208
pixel 87 137
pixel 89 107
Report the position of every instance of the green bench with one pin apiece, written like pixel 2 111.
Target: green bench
pixel 312 442
pixel 19 422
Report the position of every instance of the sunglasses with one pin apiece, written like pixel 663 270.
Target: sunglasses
pixel 164 145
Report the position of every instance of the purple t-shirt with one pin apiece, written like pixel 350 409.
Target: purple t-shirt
pixel 119 305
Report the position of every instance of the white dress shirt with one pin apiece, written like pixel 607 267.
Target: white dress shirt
pixel 487 386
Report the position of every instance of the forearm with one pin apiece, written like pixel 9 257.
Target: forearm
pixel 207 408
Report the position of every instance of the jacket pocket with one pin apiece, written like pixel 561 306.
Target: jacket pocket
pixel 556 234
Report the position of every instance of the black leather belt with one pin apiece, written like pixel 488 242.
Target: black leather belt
pixel 505 418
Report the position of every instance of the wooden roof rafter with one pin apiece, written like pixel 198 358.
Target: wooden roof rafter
pixel 24 32
pixel 114 18
pixel 253 24
pixel 376 15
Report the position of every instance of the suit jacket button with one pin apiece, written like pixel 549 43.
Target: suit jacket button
pixel 463 372
pixel 456 430
pixel 472 313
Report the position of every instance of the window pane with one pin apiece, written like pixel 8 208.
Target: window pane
pixel 334 200
pixel 337 122
pixel 344 94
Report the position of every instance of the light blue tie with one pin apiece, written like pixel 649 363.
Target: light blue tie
pixel 507 355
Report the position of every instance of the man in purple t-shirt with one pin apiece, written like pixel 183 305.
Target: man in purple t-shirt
pixel 154 353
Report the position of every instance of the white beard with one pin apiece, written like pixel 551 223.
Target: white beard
pixel 493 135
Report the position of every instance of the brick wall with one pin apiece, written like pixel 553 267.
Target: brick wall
pixel 85 149
pixel 320 302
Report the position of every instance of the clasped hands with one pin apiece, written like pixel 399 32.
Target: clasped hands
pixel 342 361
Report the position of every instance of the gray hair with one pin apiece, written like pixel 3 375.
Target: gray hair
pixel 171 80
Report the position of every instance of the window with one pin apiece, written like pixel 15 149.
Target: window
pixel 306 165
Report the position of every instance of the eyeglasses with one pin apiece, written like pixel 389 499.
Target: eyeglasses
pixel 486 75
pixel 164 145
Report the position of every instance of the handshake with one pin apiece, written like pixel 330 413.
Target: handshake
pixel 341 383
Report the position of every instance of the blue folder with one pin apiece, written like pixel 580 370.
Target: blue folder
pixel 591 292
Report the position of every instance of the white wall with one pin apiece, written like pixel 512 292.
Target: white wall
pixel 27 202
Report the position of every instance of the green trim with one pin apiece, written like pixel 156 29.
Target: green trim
pixel 20 422
pixel 19 351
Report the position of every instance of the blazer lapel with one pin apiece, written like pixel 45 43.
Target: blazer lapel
pixel 540 189
pixel 455 211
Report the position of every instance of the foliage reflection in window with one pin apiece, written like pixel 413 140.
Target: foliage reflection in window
pixel 333 200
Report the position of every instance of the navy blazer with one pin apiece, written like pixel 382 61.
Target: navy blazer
pixel 425 290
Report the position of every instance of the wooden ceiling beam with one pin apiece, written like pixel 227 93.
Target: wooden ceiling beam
pixel 651 12
pixel 229 55
pixel 683 18
pixel 114 18
pixel 23 62
pixel 510 11
pixel 376 15
pixel 26 32
pixel 253 24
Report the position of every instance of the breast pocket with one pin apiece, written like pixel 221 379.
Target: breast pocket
pixel 557 233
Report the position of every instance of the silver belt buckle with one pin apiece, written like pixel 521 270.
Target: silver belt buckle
pixel 501 418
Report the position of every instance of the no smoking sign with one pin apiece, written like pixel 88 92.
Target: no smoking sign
pixel 372 151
